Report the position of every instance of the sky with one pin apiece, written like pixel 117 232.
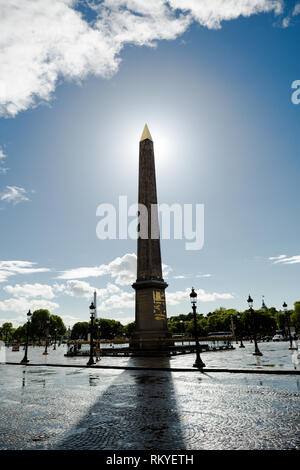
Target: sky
pixel 213 81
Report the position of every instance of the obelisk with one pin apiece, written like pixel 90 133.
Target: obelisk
pixel 150 302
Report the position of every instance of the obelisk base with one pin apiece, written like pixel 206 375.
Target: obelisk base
pixel 151 319
pixel 151 340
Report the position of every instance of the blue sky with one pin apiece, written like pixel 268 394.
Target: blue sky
pixel 216 94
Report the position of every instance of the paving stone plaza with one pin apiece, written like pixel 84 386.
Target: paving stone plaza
pixel 81 408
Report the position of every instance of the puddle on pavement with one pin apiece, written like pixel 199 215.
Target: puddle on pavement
pixel 93 381
pixel 41 437
pixel 74 372
pixel 35 415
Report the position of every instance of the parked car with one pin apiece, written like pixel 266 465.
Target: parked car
pixel 278 337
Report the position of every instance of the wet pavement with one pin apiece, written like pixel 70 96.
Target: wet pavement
pixel 275 356
pixel 81 408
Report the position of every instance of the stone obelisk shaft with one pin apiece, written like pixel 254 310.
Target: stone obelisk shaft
pixel 150 311
pixel 149 256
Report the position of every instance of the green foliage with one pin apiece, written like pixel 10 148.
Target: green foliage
pixel 6 331
pixel 80 330
pixel 295 316
pixel 202 327
pixel 110 328
pixel 20 333
pixel 223 319
pixel 38 326
pixel 280 320
pixel 129 329
pixel 57 323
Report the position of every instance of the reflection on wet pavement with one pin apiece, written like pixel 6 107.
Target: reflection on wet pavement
pixel 66 408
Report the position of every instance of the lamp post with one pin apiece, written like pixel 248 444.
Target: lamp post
pixel 97 352
pixel 256 350
pixel 182 329
pixel 287 316
pixel 45 353
pixel 25 358
pixel 55 331
pixel 92 311
pixel 241 336
pixel 198 362
pixel 232 325
pixel 236 330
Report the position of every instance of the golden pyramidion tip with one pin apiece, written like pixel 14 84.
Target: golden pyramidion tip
pixel 146 134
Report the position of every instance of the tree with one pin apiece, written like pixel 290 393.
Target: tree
pixel 295 316
pixel 7 331
pixel 129 329
pixel 280 320
pixel 201 327
pixel 80 330
pixel 57 323
pixel 20 333
pixel 110 328
pixel 38 327
pixel 265 323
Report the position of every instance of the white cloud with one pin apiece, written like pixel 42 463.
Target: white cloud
pixel 277 257
pixel 3 155
pixel 69 320
pixel 76 288
pixel 166 270
pixel 211 13
pixel 283 259
pixel 203 275
pixel 296 10
pixel 22 305
pixel 17 321
pixel 117 301
pixel 13 268
pixel 30 290
pixel 110 297
pixel 174 298
pixel 286 22
pixel 14 194
pixel 121 269
pixel 42 41
pixel 81 273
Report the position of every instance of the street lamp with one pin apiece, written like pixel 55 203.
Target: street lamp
pixel 25 358
pixel 287 316
pixel 236 330
pixel 55 331
pixel 91 359
pixel 182 329
pixel 97 352
pixel 198 362
pixel 45 353
pixel 241 337
pixel 250 303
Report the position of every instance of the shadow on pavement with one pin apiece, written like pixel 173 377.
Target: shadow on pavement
pixel 138 411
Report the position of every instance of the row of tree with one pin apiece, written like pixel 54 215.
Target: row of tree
pixel 267 321
pixel 42 323
pixel 103 328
